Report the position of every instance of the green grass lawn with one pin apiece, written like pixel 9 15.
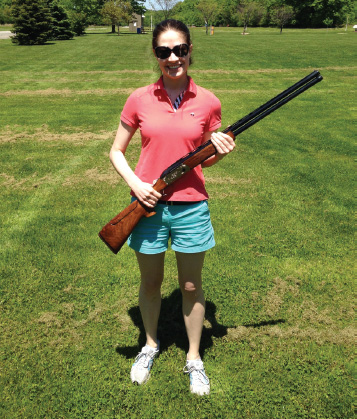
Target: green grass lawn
pixel 279 334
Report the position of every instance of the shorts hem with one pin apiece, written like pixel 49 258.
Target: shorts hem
pixel 193 249
pixel 146 251
pixel 174 248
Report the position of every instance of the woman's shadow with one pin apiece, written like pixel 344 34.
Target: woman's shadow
pixel 171 328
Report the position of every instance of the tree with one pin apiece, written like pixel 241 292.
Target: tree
pixel 32 22
pixel 92 8
pixel 61 25
pixel 138 6
pixel 126 12
pixel 228 13
pixel 313 13
pixel 88 8
pixel 208 8
pixel 328 22
pixel 78 22
pixel 346 13
pixel 249 11
pixel 111 13
pixel 5 12
pixel 187 12
pixel 165 6
pixel 282 15
pixel 349 15
pixel 117 11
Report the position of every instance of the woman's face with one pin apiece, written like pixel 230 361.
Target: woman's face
pixel 173 67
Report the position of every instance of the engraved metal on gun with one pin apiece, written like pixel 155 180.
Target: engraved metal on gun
pixel 176 174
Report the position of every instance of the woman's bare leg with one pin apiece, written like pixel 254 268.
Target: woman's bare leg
pixel 193 302
pixel 152 275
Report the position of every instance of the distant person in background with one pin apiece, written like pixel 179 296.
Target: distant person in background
pixel 174 117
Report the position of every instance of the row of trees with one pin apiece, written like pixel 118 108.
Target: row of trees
pixel 298 13
pixel 37 21
pixel 243 13
pixel 305 13
pixel 90 9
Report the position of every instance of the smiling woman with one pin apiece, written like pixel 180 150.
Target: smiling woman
pixel 174 116
pixel 172 46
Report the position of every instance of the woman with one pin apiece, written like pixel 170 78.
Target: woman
pixel 174 116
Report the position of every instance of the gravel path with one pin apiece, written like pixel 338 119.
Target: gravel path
pixel 5 34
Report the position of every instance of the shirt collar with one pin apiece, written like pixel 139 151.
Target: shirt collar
pixel 192 87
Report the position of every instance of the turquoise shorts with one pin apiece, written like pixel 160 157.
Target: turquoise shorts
pixel 188 226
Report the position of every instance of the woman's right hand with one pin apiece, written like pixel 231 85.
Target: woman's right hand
pixel 146 194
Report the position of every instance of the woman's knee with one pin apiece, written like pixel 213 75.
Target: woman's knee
pixel 191 289
pixel 150 286
pixel 152 272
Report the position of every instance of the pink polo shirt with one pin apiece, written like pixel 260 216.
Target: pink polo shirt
pixel 166 135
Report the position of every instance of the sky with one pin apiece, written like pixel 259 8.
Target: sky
pixel 147 3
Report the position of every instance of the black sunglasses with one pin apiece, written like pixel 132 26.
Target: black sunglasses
pixel 165 52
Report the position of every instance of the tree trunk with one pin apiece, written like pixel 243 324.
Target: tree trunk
pixel 113 28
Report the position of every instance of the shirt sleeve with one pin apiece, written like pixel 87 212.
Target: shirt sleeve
pixel 129 113
pixel 214 120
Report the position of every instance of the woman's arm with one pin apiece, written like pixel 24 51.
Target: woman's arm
pixel 224 145
pixel 143 191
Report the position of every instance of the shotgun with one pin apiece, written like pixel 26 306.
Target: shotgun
pixel 115 233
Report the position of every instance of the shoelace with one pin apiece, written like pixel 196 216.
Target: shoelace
pixel 198 372
pixel 143 358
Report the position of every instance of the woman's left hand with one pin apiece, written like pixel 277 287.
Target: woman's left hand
pixel 223 142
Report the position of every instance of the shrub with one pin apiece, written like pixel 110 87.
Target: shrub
pixel 78 22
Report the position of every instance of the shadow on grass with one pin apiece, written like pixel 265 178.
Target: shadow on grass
pixel 265 323
pixel 171 329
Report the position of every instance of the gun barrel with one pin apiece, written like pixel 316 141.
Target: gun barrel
pixel 274 103
pixel 250 119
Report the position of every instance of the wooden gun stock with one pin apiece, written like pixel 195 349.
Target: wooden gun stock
pixel 116 232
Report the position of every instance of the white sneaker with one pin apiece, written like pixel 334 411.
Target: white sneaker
pixel 199 382
pixel 140 371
